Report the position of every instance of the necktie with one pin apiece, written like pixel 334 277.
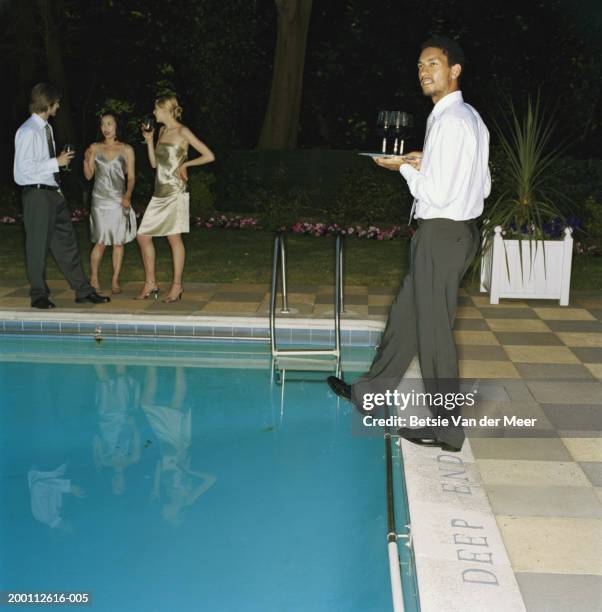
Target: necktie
pixel 51 151
pixel 429 123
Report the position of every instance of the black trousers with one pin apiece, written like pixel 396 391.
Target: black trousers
pixel 48 227
pixel 422 316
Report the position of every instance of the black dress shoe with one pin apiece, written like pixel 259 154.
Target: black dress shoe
pixel 339 387
pixel 43 303
pixel 342 389
pixel 425 436
pixel 93 298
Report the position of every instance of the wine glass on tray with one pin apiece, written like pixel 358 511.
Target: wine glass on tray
pixel 401 123
pixel 383 128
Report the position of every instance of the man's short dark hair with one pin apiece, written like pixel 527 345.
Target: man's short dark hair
pixel 450 48
pixel 43 96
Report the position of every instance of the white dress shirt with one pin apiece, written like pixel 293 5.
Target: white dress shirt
pixel 454 178
pixel 33 163
pixel 47 490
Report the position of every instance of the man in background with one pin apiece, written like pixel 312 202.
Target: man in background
pixel 46 215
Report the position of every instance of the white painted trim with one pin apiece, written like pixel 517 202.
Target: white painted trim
pixel 452 523
pixel 395 573
pixel 209 321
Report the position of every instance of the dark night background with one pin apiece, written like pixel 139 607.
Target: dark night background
pixel 360 57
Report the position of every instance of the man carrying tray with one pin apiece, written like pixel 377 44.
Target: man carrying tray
pixel 449 181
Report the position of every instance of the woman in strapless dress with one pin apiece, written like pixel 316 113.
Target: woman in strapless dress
pixel 112 219
pixel 167 212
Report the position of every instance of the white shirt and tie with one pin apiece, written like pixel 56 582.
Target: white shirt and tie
pixel 46 216
pixel 453 180
pixel 33 164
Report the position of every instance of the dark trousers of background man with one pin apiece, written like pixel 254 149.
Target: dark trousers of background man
pixel 422 316
pixel 48 227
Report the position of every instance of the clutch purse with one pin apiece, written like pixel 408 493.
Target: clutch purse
pixel 128 219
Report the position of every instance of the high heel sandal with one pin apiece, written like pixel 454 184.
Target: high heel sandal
pixel 116 290
pixel 152 293
pixel 171 300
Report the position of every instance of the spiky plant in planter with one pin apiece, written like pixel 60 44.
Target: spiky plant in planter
pixel 526 206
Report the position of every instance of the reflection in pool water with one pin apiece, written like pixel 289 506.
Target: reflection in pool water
pixel 168 477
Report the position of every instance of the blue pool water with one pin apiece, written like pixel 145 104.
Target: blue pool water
pixel 178 477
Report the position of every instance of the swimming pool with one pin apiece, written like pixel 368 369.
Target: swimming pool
pixel 162 475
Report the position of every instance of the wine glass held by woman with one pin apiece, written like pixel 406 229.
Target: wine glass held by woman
pixel 167 213
pixel 147 125
pixel 112 221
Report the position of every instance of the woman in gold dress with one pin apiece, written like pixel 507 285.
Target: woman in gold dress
pixel 167 212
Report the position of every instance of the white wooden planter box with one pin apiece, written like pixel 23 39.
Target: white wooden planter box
pixel 535 281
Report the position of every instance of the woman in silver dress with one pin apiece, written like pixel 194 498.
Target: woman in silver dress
pixel 112 219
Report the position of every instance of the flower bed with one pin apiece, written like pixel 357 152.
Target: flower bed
pixel 372 232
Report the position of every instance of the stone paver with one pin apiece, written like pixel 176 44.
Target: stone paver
pixel 595 369
pixel 481 338
pixel 520 500
pixel 581 339
pixel 554 371
pixel 541 354
pixel 553 545
pixel 475 368
pixel 516 325
pixel 532 473
pixel 560 592
pixel 593 470
pixel 564 314
pixel 530 449
pixel 584 449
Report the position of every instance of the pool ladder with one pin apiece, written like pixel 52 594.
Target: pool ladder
pixel 279 264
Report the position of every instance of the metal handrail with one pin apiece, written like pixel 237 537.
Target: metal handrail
pixel 284 309
pixel 280 257
pixel 341 277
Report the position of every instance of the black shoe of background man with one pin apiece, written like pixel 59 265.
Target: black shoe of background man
pixel 425 436
pixel 93 298
pixel 43 303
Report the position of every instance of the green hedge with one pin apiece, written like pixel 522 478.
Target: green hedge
pixel 322 185
pixel 315 185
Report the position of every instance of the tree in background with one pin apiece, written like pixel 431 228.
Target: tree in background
pixel 281 121
pixel 356 57
pixel 50 13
